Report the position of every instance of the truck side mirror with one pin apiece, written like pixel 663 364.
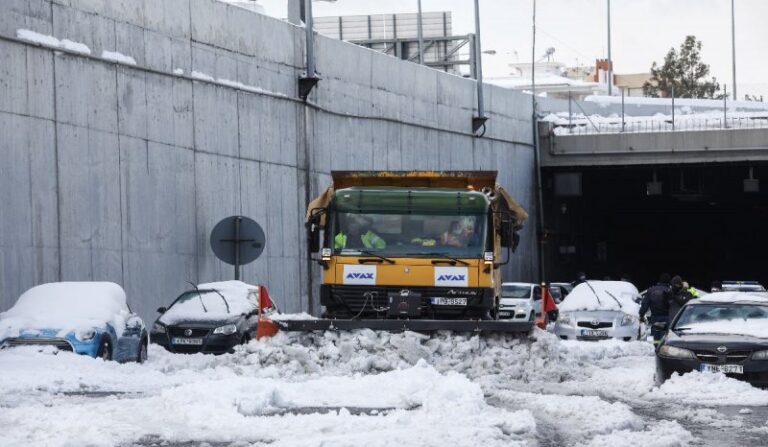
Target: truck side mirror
pixel 313 229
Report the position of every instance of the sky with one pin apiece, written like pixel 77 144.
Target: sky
pixel 642 31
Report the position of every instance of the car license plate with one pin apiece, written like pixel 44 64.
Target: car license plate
pixel 505 314
pixel 449 301
pixel 593 333
pixel 726 369
pixel 187 341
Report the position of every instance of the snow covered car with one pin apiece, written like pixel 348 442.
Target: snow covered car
pixel 598 310
pixel 89 318
pixel 723 332
pixel 519 301
pixel 214 318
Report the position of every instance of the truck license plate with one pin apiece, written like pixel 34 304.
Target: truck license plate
pixel 187 341
pixel 593 333
pixel 727 369
pixel 449 301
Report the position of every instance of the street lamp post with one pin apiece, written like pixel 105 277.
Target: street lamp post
pixel 733 46
pixel 610 60
pixel 421 36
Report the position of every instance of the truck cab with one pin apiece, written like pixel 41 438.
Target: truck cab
pixel 413 245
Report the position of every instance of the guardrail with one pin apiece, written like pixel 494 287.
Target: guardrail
pixel 588 126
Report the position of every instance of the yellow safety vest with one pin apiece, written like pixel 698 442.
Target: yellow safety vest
pixel 369 240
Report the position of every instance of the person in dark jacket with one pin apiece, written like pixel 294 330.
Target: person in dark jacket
pixel 657 300
pixel 678 297
pixel 580 278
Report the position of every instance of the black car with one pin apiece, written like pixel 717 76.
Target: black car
pixel 721 332
pixel 211 318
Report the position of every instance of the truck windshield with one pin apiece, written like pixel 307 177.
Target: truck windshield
pixel 392 234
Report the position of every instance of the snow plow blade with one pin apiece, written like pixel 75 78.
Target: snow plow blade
pixel 520 327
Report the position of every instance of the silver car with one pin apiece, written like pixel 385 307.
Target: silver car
pixel 599 310
pixel 520 301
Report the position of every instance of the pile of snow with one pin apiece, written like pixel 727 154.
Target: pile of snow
pixel 66 307
pixel 50 41
pixel 709 389
pixel 602 295
pixel 233 84
pixel 216 400
pixel 216 301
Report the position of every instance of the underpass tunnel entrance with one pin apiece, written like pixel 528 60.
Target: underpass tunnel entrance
pixel 704 222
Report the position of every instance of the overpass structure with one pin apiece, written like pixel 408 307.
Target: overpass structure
pixel 723 145
pixel 690 201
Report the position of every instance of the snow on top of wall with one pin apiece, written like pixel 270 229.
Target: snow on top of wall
pixel 50 41
pixel 120 58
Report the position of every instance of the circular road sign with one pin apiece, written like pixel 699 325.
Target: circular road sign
pixel 237 240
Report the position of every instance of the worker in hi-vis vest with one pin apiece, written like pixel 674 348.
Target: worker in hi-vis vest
pixel 358 235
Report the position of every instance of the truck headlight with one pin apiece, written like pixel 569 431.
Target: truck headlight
pixel 628 320
pixel 158 328
pixel 565 318
pixel 674 352
pixel 760 355
pixel 227 329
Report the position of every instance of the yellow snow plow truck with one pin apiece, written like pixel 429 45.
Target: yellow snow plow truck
pixel 412 251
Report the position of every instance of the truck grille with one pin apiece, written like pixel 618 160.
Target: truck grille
pixel 374 300
pixel 59 343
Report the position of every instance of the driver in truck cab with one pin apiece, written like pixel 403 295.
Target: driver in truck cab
pixel 359 235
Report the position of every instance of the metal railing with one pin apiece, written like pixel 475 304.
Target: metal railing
pixel 583 126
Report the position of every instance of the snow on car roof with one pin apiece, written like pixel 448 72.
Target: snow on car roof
pixel 223 300
pixel 599 295
pixel 67 306
pixel 733 297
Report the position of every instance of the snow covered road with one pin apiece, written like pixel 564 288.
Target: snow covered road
pixel 375 389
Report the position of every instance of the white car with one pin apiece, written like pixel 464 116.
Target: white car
pixel 520 301
pixel 598 310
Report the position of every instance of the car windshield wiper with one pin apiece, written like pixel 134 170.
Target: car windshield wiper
pixel 593 291
pixel 442 255
pixel 614 298
pixel 199 296
pixel 226 303
pixel 681 329
pixel 383 258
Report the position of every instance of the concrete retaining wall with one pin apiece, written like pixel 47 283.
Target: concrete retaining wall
pixel 118 172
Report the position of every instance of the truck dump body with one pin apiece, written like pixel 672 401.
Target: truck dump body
pixel 412 246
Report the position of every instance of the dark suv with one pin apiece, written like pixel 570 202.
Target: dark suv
pixel 724 332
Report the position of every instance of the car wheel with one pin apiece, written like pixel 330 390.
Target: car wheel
pixel 142 357
pixel 105 350
pixel 245 339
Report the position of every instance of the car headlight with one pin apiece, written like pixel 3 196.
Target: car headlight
pixel 565 318
pixel 678 353
pixel 628 320
pixel 158 328
pixel 760 355
pixel 86 335
pixel 228 329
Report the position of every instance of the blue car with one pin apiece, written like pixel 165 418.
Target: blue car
pixel 88 318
